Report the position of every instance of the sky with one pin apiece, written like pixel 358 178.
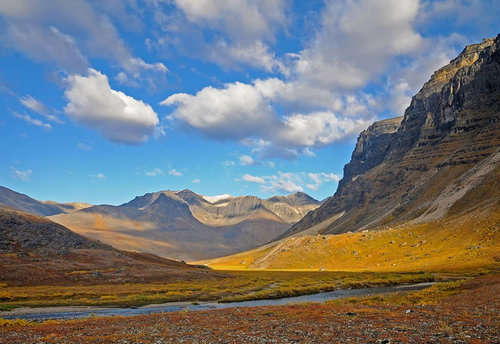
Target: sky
pixel 101 101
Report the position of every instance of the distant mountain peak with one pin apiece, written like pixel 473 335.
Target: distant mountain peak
pixel 296 198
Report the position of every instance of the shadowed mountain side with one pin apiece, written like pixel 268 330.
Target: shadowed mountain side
pixel 25 203
pixel 35 250
pixel 184 225
pixel 446 145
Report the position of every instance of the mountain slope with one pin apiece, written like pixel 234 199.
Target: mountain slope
pixel 445 149
pixel 420 192
pixel 37 251
pixel 25 203
pixel 185 225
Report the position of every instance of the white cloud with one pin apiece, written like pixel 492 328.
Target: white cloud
pixel 252 179
pixel 321 100
pixel 155 172
pixel 245 112
pixel 36 122
pixel 241 19
pixel 246 160
pixel 25 175
pixel 320 178
pixel 318 129
pixel 175 173
pixel 228 163
pixel 196 181
pixel 117 116
pixel 40 29
pixel 33 104
pixel 357 41
pixel 45 44
pixel 283 182
pixel 236 111
pixel 291 181
pixel 99 176
pixel 37 106
pixel 244 29
pixel 255 54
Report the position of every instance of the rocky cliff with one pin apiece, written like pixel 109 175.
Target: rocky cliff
pixel 442 158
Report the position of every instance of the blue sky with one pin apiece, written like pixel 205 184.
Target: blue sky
pixel 101 101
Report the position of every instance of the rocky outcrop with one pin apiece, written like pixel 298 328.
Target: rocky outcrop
pixel 371 147
pixel 449 137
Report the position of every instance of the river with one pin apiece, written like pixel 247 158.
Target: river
pixel 46 313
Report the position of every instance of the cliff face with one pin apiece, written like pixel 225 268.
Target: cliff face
pixel 441 159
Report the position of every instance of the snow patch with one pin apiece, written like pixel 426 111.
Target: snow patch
pixel 213 199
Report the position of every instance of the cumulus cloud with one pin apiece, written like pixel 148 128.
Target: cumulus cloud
pixel 246 160
pixel 245 112
pixel 45 44
pixel 235 112
pixel 244 29
pixel 175 173
pixel 321 96
pixel 318 129
pixel 25 175
pixel 36 122
pixel 196 181
pixel 358 40
pixel 252 179
pixel 287 182
pixel 155 172
pixel 37 29
pixel 320 178
pixel 117 116
pixel 283 182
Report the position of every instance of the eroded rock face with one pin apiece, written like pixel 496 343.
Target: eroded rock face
pixel 371 147
pixel 449 137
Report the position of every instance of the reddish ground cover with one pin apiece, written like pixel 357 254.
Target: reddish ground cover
pixel 469 316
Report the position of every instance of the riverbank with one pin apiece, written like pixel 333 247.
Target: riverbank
pixel 230 286
pixel 77 312
pixel 453 312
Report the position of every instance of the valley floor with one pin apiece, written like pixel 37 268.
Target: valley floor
pixel 464 311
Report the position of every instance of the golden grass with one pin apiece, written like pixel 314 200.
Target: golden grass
pixel 429 296
pixel 452 245
pixel 237 286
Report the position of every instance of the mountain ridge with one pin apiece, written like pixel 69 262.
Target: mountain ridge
pixel 450 128
pixel 185 225
pixel 25 203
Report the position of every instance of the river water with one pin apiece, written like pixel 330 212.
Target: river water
pixel 83 312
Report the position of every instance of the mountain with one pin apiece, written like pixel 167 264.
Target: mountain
pixel 25 203
pixel 185 225
pixel 440 159
pixel 37 251
pixel 421 191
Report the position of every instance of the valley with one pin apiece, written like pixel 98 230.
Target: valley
pixel 419 201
